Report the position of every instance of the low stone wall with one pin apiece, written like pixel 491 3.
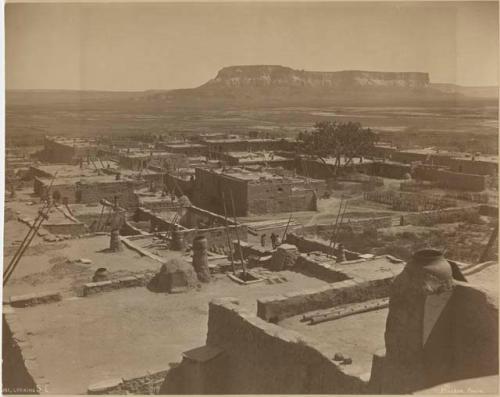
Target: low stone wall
pixel 71 229
pixel 450 179
pixel 111 285
pixel 309 245
pixel 277 308
pixel 355 226
pixel 405 201
pixel 147 383
pixel 318 270
pixel 448 215
pixel 34 299
pixel 259 357
pixel 422 218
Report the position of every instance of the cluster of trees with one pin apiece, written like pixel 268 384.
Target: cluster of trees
pixel 342 141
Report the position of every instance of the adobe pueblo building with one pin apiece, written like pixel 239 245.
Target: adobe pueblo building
pixel 256 191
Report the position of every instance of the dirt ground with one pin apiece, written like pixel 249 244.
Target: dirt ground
pixel 57 266
pixel 129 331
pixel 347 335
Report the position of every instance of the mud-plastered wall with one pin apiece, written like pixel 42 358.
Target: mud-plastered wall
pixel 259 357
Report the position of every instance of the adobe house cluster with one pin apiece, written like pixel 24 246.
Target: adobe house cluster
pixel 252 158
pixel 256 191
pixel 212 145
pixel 84 185
pixel 247 145
pixel 67 150
pixel 140 159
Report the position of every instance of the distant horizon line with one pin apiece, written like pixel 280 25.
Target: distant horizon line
pixel 190 88
pixel 248 66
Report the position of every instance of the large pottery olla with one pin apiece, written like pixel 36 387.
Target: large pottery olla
pixel 426 277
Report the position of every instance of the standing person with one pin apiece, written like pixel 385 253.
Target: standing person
pixel 278 241
pixel 263 240
pixel 273 240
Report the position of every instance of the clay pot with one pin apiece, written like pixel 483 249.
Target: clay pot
pixel 430 271
pixel 101 274
pixel 432 261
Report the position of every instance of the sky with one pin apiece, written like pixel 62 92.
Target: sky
pixel 127 46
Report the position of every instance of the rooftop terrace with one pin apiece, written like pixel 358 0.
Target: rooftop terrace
pixel 258 175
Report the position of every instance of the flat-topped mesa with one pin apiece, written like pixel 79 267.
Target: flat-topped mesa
pixel 281 76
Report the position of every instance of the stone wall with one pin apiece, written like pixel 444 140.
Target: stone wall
pixel 91 193
pixel 389 170
pixel 34 299
pixel 318 270
pixel 447 215
pixel 354 226
pixel 64 152
pixel 450 179
pixel 277 308
pixel 174 183
pixel 404 201
pixel 476 167
pixel 111 285
pixel 68 190
pixel 461 181
pixel 308 245
pixel 147 383
pixel 209 189
pixel 266 198
pixel 258 357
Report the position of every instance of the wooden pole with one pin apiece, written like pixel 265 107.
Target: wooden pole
pixel 337 228
pixel 286 228
pixel 10 271
pixel 340 313
pixel 336 221
pixel 238 234
pixel 229 245
pixel 32 227
pixel 340 223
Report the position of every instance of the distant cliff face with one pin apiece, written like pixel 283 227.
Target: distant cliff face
pixel 280 76
pixel 272 85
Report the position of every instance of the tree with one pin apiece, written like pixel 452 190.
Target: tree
pixel 342 141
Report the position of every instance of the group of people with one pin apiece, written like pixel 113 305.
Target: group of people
pixel 275 240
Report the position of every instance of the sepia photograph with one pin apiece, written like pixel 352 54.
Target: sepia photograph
pixel 250 197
